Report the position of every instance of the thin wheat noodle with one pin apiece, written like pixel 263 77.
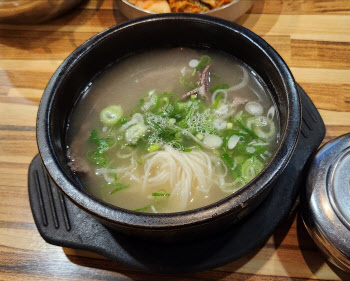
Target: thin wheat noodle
pixel 242 84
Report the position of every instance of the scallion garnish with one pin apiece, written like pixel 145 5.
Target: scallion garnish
pixel 217 101
pixel 120 186
pixel 219 87
pixel 161 192
pixel 183 81
pixel 143 209
pixel 204 61
pixel 154 147
pixel 228 161
pixel 244 128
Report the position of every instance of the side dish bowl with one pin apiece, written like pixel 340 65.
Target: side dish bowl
pixel 33 12
pixel 231 11
pixel 168 30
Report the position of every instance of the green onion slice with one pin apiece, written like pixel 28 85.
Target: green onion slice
pixel 154 147
pixel 120 186
pixel 161 192
pixel 228 161
pixel 144 209
pixel 251 168
pixel 219 87
pixel 204 61
pixel 217 101
pixel 244 128
pixel 183 81
pixel 111 115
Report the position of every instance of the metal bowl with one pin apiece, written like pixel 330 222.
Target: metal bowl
pixel 229 12
pixel 325 201
pixel 31 12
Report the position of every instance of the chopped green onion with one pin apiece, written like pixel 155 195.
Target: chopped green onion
pixel 111 115
pixel 154 147
pixel 219 87
pixel 217 101
pixel 183 124
pixel 199 136
pixel 213 141
pixel 154 124
pixel 178 134
pixel 181 105
pixel 239 182
pixel 235 173
pixel 120 186
pixel 141 102
pixel 186 83
pixel 251 168
pixel 204 61
pixel 105 143
pixel 140 162
pixel 93 137
pixel 143 209
pixel 150 206
pixel 135 132
pixel 244 128
pixel 178 145
pixel 165 100
pixel 155 100
pixel 261 131
pixel 97 157
pixel 239 159
pixel 123 121
pixel 161 192
pixel 229 132
pixel 228 161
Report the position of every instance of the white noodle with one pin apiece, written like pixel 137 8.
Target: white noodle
pixel 242 84
pixel 121 172
pixel 128 152
pixel 219 164
pixel 255 93
pixel 108 178
pixel 184 172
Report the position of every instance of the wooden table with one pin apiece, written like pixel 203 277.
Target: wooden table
pixel 313 36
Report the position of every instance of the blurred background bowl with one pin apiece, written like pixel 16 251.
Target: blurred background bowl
pixel 229 12
pixel 33 11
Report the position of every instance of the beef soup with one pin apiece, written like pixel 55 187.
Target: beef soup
pixel 172 130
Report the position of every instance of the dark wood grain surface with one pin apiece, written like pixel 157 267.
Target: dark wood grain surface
pixel 313 36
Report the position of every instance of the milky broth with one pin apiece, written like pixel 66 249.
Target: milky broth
pixel 139 76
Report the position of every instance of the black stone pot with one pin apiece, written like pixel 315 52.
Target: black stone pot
pixel 152 32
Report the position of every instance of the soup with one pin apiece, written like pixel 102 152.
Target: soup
pixel 172 130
